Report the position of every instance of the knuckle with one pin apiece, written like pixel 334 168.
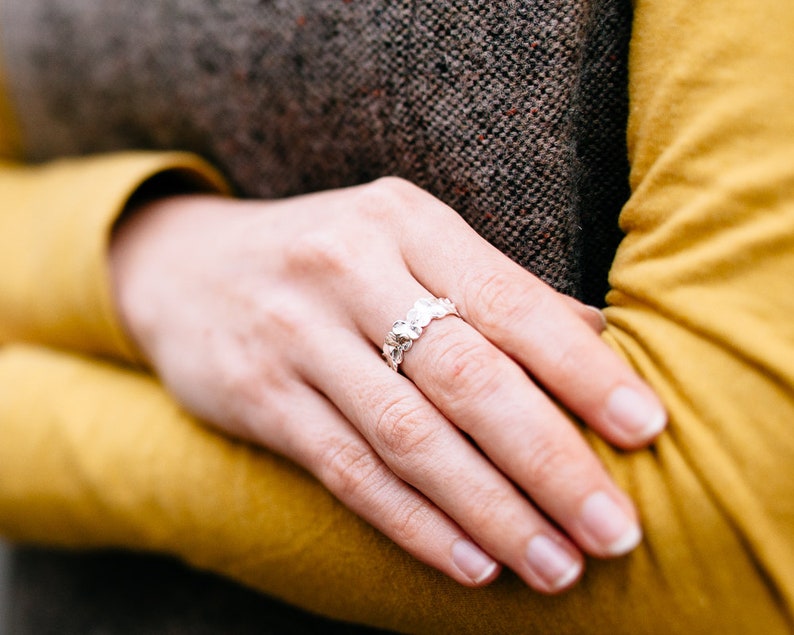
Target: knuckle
pixel 463 372
pixel 350 469
pixel 320 252
pixel 450 356
pixel 242 386
pixel 281 316
pixel 410 521
pixel 566 361
pixel 388 200
pixel 500 301
pixel 400 426
pixel 548 463
pixel 488 506
pixel 378 201
pixel 251 399
pixel 394 186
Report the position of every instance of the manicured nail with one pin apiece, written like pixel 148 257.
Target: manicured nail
pixel 472 561
pixel 609 525
pixel 552 563
pixel 634 413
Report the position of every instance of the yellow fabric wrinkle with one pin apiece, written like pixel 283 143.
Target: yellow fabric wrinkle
pixel 711 223
pixel 46 502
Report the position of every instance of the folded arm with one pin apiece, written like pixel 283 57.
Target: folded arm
pixel 700 305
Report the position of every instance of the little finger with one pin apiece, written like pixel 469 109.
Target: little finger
pixel 340 458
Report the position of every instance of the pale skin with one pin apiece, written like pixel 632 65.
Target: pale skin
pixel 265 319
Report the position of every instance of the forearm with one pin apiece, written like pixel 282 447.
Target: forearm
pixel 124 466
pixel 701 298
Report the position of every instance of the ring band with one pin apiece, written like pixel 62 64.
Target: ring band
pixel 404 332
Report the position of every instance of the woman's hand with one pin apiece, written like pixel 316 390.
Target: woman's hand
pixel 266 319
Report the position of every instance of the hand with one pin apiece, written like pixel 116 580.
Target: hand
pixel 266 319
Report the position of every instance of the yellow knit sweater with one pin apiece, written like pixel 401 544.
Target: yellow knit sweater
pixel 93 452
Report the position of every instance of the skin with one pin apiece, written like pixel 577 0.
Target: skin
pixel 265 319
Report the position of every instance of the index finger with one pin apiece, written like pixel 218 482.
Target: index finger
pixel 527 319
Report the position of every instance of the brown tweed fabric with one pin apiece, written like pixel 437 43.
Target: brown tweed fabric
pixel 511 112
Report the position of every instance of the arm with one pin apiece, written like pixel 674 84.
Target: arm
pixel 55 227
pixel 702 285
pixel 687 500
pixel 336 447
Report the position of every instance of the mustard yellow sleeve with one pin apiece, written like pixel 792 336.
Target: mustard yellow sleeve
pixel 55 223
pixel 702 296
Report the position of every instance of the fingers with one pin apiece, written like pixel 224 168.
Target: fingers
pixel 488 396
pixel 420 446
pixel 577 367
pixel 529 321
pixel 323 441
pixel 523 432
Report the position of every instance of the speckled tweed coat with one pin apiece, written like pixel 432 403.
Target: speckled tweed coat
pixel 512 112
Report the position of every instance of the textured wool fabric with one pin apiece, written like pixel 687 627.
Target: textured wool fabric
pixel 10 143
pixel 513 113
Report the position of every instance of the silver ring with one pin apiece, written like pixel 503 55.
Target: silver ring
pixel 404 332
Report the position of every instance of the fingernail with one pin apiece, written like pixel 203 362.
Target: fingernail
pixel 472 561
pixel 552 563
pixel 599 313
pixel 634 413
pixel 609 525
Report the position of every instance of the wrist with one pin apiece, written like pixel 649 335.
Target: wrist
pixel 148 242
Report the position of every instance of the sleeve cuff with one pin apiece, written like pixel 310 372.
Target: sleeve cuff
pixel 56 227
